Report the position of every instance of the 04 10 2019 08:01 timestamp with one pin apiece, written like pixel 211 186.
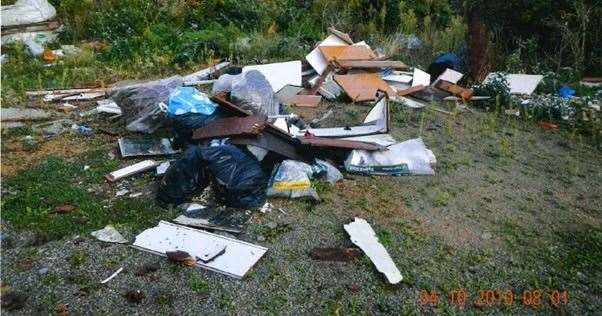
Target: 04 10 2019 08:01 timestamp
pixel 495 297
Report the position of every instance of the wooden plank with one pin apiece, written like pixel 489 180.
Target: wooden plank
pixel 32 27
pixel 344 36
pixel 314 89
pixel 410 90
pixel 464 93
pixel 340 143
pixel 231 126
pixel 359 52
pixel 370 64
pixel 309 101
pixel 363 87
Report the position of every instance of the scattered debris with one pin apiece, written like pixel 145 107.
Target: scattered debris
pixel 145 147
pixel 216 218
pixel 62 209
pixel 134 296
pixel 147 268
pixel 109 234
pixel 546 125
pixel 363 87
pixel 362 235
pixel 162 168
pixel 238 259
pixel 112 276
pixel 61 309
pixel 334 254
pixel 181 257
pixel 131 170
pixel 300 100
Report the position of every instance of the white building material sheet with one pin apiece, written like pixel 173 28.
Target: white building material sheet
pixel 519 84
pixel 279 74
pixel 236 261
pixel 381 139
pixel 421 78
pixel 362 235
pixel 130 170
pixel 315 57
pixel 450 75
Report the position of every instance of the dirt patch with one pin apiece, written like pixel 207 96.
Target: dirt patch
pixel 16 157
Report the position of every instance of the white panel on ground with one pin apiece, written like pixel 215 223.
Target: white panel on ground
pixel 421 78
pixel 315 57
pixel 362 235
pixel 238 259
pixel 519 84
pixel 279 74
pixel 450 75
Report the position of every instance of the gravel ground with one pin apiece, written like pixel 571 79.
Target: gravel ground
pixel 511 207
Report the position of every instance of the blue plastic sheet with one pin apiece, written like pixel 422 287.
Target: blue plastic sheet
pixel 183 100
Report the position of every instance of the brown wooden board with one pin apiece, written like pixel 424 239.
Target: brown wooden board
pixel 410 90
pixel 370 64
pixel 231 126
pixel 340 143
pixel 466 94
pixel 358 52
pixel 363 87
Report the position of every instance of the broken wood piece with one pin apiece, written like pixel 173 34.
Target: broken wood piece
pixel 359 52
pixel 63 91
pixel 362 235
pixel 45 26
pixel 464 93
pixel 181 257
pixel 370 64
pixel 344 36
pixel 410 90
pixel 363 87
pixel 340 143
pixel 131 170
pixel 310 101
pixel 239 258
pixel 231 126
pixel 334 254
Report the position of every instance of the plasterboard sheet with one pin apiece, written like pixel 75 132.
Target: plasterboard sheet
pixel 450 75
pixel 519 84
pixel 362 235
pixel 421 78
pixel 315 57
pixel 132 169
pixel 381 139
pixel 279 74
pixel 238 259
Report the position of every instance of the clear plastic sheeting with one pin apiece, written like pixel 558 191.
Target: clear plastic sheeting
pixel 27 12
pixel 406 158
pixel 141 102
pixel 250 90
pixel 329 172
pixel 291 179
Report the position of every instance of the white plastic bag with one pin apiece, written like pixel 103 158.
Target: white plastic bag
pixel 406 158
pixel 27 12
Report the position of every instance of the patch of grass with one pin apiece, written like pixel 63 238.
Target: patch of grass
pixel 197 284
pixel 59 181
pixel 49 279
pixel 385 237
pixel 77 258
pixel 86 285
pixel 441 197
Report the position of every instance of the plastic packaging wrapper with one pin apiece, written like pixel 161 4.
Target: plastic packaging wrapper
pixel 184 100
pixel 27 12
pixel 250 90
pixel 140 102
pixel 406 158
pixel 291 179
pixel 33 48
pixel 329 172
pixel 237 175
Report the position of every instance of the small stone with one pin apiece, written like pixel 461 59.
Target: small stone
pixel 260 238
pixel 473 269
pixel 487 236
pixel 43 271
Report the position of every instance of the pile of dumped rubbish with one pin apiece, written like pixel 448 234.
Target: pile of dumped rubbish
pixel 242 142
